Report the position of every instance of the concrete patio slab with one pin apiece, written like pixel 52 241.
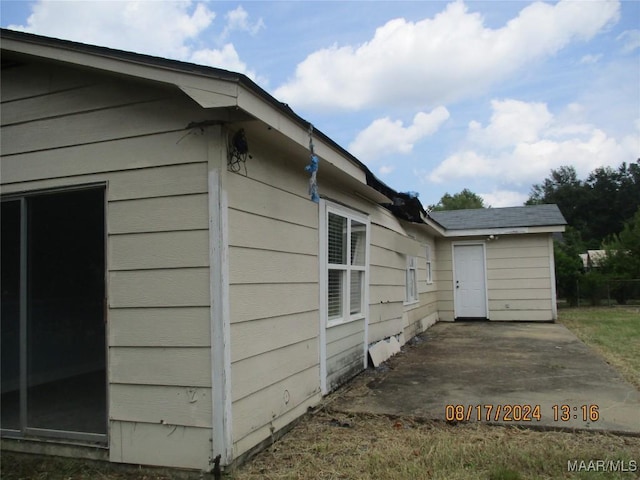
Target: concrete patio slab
pixel 537 374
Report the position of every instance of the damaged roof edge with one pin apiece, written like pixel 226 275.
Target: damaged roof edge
pixel 403 205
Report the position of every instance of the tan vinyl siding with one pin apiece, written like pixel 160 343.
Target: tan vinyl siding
pixel 385 320
pixel 389 314
pixel 270 409
pixel 519 279
pixel 178 249
pixel 80 164
pixel 64 128
pixel 160 444
pixel 162 404
pixel 261 371
pixel 159 327
pixel 250 339
pixel 273 290
pixel 266 300
pixel 345 352
pixel 387 279
pixel 444 283
pixel 418 316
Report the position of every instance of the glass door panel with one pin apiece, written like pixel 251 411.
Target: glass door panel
pixel 66 356
pixel 10 314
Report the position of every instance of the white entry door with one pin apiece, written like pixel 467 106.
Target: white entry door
pixel 470 290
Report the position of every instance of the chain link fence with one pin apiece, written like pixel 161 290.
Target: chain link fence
pixel 598 290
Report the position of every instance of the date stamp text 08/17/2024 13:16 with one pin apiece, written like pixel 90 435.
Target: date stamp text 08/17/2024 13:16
pixel 520 413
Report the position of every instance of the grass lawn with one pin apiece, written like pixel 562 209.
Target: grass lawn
pixel 614 332
pixel 332 445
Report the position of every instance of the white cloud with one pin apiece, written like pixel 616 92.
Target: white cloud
pixel 590 59
pixel 440 59
pixel 225 57
pixel 238 19
pixel 631 39
pixel 512 122
pixel 524 141
pixel 164 28
pixel 385 136
pixel 504 198
pixel 156 28
pixel 386 169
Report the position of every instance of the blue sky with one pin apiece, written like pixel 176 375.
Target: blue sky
pixel 434 96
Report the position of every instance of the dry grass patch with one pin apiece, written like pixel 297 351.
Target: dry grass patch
pixel 22 466
pixel 332 445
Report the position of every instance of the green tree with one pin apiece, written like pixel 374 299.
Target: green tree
pixel 614 197
pixel 623 260
pixel 459 201
pixel 597 207
pixel 563 188
pixel 568 265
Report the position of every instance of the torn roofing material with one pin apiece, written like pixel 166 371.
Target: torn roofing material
pixel 509 217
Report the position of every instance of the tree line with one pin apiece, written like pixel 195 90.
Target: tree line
pixel 602 212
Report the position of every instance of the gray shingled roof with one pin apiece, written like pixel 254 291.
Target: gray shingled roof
pixel 510 217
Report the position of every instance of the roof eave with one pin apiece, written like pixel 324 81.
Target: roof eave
pixel 194 80
pixel 480 232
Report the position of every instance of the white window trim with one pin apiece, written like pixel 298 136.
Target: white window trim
pixel 323 211
pixel 412 265
pixel 429 264
pixel 325 266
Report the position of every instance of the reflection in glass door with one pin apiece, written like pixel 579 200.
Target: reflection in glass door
pixel 10 314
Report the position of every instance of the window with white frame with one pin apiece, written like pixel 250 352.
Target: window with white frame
pixel 346 244
pixel 429 272
pixel 411 280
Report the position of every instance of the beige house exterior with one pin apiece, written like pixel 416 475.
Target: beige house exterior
pixel 223 301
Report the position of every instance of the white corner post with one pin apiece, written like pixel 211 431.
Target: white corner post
pixel 222 441
pixel 552 276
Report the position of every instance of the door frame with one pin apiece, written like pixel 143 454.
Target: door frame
pixel 482 244
pixel 25 431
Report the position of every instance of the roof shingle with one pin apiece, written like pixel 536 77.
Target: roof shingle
pixel 510 217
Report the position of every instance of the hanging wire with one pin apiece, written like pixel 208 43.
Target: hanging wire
pixel 238 151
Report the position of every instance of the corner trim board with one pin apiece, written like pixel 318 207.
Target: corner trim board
pixel 222 440
pixel 552 276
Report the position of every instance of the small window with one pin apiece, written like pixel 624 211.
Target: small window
pixel 429 272
pixel 411 281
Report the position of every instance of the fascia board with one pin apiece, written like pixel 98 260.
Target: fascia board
pixel 504 231
pixel 436 227
pixel 328 171
pixel 251 103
